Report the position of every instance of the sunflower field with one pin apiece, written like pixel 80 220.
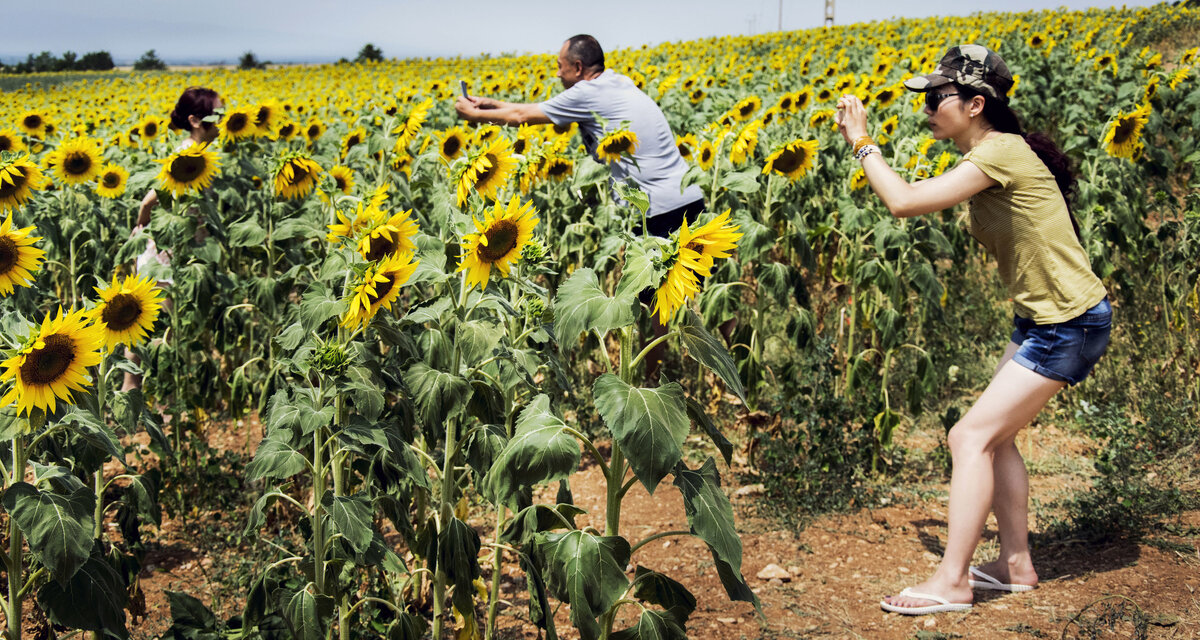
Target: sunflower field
pixel 437 323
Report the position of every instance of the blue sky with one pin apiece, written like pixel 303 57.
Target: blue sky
pixel 324 30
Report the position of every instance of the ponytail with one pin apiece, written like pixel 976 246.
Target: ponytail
pixel 1005 120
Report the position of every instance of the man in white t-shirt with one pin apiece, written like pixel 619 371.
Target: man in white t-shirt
pixel 592 90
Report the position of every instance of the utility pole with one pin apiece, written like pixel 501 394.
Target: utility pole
pixel 780 28
pixel 828 13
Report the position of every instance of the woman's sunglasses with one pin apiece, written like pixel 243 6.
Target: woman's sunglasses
pixel 934 100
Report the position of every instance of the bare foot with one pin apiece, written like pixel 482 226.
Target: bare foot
pixel 958 592
pixel 1016 570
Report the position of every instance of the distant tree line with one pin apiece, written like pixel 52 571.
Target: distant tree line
pixel 68 61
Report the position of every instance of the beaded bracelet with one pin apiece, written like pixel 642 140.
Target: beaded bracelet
pixel 867 150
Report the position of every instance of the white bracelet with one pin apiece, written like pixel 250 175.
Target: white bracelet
pixel 867 150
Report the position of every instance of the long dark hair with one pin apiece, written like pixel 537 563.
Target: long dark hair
pixel 195 101
pixel 1005 120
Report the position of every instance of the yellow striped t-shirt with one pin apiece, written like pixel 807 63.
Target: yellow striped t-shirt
pixel 1024 223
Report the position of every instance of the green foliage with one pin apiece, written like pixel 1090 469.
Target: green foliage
pixel 149 62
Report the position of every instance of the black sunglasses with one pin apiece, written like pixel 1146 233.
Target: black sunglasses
pixel 934 100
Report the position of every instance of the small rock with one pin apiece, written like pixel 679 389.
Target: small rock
pixel 775 581
pixel 903 569
pixel 930 622
pixel 666 543
pixel 750 490
pixel 774 571
pixel 727 620
pixel 794 570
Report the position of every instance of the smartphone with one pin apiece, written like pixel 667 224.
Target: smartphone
pixel 463 84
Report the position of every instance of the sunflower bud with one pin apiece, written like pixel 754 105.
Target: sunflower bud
pixel 535 307
pixel 533 252
pixel 329 359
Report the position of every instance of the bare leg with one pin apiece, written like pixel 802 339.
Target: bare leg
pixel 1011 401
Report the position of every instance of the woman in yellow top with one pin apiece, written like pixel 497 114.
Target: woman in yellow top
pixel 1018 186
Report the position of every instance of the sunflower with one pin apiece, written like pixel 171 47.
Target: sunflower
pixel 793 159
pixel 858 180
pixel 557 168
pixel 10 141
pixel 706 155
pixel 287 130
pixel 501 235
pixel 696 96
pixel 238 124
pixel 52 363
pixel 943 162
pixel 149 128
pixel 787 102
pixel 349 229
pixel 295 175
pixel 408 130
pixel 526 140
pixel 1107 61
pixel 824 94
pixel 18 178
pixel 486 133
pixel 188 170
pixel 686 145
pixel 378 288
pixel 111 181
pixel 820 116
pixel 699 248
pixel 745 108
pixel 1125 132
pixel 1013 88
pixel 353 139
pixel 127 310
pixel 885 96
pixel 385 235
pixel 888 128
pixel 485 171
pixel 76 160
pixel 1179 76
pixel 19 259
pixel 314 130
pixel 677 287
pixel 453 141
pixel 1037 41
pixel 33 123
pixel 617 144
pixel 265 117
pixel 1189 56
pixel 402 162
pixel 343 178
pixel 745 143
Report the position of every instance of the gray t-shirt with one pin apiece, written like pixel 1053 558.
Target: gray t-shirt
pixel 616 98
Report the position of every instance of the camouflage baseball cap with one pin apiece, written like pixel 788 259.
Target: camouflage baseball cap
pixel 971 65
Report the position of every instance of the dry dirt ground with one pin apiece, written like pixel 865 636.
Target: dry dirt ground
pixel 840 566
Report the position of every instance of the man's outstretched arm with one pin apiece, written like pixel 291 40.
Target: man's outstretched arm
pixel 477 109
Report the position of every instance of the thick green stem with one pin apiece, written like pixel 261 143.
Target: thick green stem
pixel 494 595
pixel 339 488
pixel 318 515
pixel 98 477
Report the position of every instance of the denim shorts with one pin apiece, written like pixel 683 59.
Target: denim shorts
pixel 1064 351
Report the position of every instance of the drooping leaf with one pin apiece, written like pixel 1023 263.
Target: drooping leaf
pixel 587 572
pixel 353 517
pixel 656 588
pixel 458 555
pixel 653 625
pixel 710 517
pixel 477 338
pixel 540 518
pixel 191 619
pixel 708 350
pixel 700 417
pixel 58 526
pixel 582 306
pixel 306 613
pixel 639 271
pixel 540 451
pixel 649 424
pixel 95 583
pixel 440 395
pixel 94 432
pixel 276 457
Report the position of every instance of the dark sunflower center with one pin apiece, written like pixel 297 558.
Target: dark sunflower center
pixel 889 128
pixel 237 122
pixel 186 169
pixel 382 289
pixel 482 177
pixel 501 237
pixel 746 109
pixel 381 246
pixel 885 96
pixel 801 101
pixel 1125 129
pixel 313 131
pixel 8 254
pixel 263 116
pixel 558 168
pixel 685 150
pixel 786 103
pixel 353 141
pixel 299 173
pixel 451 145
pixel 824 95
pixel 6 143
pixel 122 312
pixel 340 182
pixel 519 146
pixel 287 130
pixel 697 94
pixel 111 180
pixel 706 155
pixel 9 188
pixel 45 365
pixel 789 160
pixel 617 146
pixel 77 163
pixel 150 129
pixel 32 122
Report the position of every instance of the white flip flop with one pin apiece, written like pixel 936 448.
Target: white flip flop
pixel 988 582
pixel 943 605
